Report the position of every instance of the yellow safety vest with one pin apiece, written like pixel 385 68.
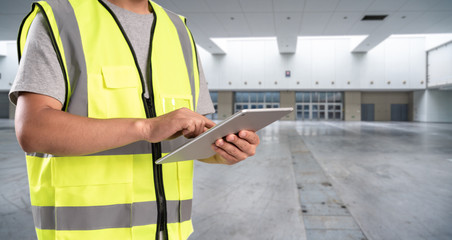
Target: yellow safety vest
pixel 120 193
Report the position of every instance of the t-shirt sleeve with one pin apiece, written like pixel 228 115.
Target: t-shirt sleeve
pixel 205 105
pixel 39 69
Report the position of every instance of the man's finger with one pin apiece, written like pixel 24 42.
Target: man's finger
pixel 249 136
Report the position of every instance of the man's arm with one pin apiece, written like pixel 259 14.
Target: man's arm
pixel 42 127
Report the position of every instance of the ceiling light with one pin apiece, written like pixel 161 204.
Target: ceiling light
pixel 232 18
pixel 288 18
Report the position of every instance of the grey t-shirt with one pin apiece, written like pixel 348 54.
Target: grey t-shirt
pixel 40 72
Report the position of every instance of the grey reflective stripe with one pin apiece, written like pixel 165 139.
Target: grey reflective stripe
pixel 73 51
pixel 111 216
pixel 141 147
pixel 171 145
pixel 92 218
pixel 41 155
pixel 185 41
pixel 144 213
pixel 44 217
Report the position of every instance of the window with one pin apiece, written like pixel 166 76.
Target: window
pixel 319 105
pixel 256 100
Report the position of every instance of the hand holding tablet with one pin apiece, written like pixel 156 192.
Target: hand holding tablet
pixel 249 119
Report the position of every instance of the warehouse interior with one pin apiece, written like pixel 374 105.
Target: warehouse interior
pixel 367 151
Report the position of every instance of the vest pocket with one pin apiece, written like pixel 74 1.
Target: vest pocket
pixel 115 93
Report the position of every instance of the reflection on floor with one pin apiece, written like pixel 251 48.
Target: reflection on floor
pixel 309 180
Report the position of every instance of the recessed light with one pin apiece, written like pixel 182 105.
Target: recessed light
pixel 288 18
pixel 403 17
pixel 345 17
pixel 232 18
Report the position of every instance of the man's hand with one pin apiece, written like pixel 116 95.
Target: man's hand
pixel 171 125
pixel 234 148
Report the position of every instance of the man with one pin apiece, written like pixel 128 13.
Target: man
pixel 101 85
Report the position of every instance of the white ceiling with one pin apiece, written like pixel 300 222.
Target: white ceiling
pixel 286 19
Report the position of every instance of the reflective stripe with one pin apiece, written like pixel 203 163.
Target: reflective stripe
pixel 185 41
pixel 111 216
pixel 41 155
pixel 141 147
pixel 74 56
pixel 44 217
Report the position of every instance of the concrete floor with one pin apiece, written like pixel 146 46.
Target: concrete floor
pixel 309 180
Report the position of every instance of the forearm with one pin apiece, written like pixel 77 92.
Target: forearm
pixel 42 127
pixel 60 133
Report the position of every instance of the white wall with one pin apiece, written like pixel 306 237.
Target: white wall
pixel 8 66
pixel 432 106
pixel 440 66
pixel 319 63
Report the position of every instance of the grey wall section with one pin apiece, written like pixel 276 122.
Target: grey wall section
pixel 287 99
pixel 368 112
pixel 432 106
pixel 383 101
pixel 4 104
pixel 399 112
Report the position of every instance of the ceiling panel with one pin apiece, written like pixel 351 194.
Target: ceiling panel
pixel 287 23
pixel 207 22
pixel 419 5
pixel 261 24
pixel 443 5
pixel 235 24
pixel 222 6
pixel 342 22
pixel 444 26
pixel 386 5
pixel 321 5
pixel 313 24
pixel 257 5
pixel 288 5
pixel 353 5
pixel 190 5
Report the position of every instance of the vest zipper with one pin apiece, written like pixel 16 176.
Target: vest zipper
pixel 149 107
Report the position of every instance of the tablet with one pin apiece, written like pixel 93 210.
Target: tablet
pixel 248 119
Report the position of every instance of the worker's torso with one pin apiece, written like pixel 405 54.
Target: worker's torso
pixel 120 193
